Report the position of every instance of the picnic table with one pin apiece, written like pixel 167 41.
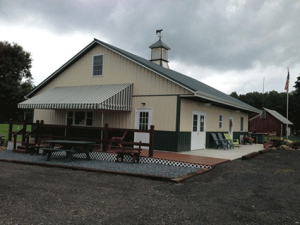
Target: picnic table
pixel 2 139
pixel 69 146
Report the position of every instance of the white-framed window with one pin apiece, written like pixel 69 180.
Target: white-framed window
pixel 242 123
pixel 97 69
pixel 220 121
pixel 80 118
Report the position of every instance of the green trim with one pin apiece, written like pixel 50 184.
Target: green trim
pixel 184 141
pixel 178 110
pixel 172 141
pixel 236 135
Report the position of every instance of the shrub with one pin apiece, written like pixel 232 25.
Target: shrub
pixel 277 143
pixel 295 144
pixel 249 140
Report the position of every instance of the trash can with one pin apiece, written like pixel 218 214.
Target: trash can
pixel 260 138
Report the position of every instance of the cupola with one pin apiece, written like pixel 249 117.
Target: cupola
pixel 159 51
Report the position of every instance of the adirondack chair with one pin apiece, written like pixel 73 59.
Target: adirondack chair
pixel 116 140
pixel 224 141
pixel 218 143
pixel 232 141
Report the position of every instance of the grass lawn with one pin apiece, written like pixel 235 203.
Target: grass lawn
pixel 4 130
pixel 291 138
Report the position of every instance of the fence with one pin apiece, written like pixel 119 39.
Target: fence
pixel 101 135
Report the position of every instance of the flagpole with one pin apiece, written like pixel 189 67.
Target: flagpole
pixel 287 106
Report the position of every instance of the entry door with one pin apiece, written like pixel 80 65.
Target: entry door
pixel 198 131
pixel 230 130
pixel 143 121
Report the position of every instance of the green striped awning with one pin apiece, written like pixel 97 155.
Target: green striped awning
pixel 106 96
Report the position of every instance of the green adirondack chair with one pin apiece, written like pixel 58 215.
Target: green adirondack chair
pixel 232 141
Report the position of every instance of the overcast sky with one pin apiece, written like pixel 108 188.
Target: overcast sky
pixel 231 45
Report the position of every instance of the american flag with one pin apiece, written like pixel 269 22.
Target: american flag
pixel 287 82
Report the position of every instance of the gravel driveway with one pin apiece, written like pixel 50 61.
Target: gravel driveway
pixel 263 190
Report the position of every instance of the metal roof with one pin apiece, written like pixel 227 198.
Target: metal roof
pixel 159 44
pixel 107 96
pixel 199 89
pixel 279 116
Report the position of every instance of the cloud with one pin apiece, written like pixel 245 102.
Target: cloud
pixel 232 39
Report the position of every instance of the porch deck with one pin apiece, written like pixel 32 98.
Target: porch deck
pixel 209 157
pixel 185 158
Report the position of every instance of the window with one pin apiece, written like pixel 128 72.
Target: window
pixel 80 118
pixel 242 123
pixel 144 121
pixel 195 123
pixel 97 65
pixel 164 54
pixel 201 123
pixel 156 53
pixel 220 121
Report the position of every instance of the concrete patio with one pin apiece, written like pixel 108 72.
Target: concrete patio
pixel 231 154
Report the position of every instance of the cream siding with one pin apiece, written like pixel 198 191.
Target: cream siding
pixel 163 114
pixel 163 110
pixel 50 116
pixel 212 117
pixel 116 69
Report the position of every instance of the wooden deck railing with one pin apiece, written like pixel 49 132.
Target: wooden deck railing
pixel 101 135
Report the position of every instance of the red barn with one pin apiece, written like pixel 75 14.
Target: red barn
pixel 270 121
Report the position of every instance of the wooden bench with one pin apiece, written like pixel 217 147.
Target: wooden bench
pixel 135 153
pixel 69 152
pixel 35 148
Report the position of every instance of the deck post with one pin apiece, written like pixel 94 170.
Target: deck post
pixel 10 129
pixel 37 132
pixel 151 142
pixel 24 131
pixel 105 137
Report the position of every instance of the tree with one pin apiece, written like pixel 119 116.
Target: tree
pixel 295 106
pixel 234 94
pixel 15 80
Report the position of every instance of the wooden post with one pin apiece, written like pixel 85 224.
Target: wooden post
pixel 105 142
pixel 151 141
pixel 37 132
pixel 10 130
pixel 24 131
pixel 15 142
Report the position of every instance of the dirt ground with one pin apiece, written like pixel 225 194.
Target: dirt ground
pixel 263 190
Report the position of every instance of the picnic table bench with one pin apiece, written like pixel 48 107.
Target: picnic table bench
pixel 129 151
pixel 121 151
pixel 69 152
pixel 68 146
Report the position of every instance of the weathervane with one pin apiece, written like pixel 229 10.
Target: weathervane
pixel 158 32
